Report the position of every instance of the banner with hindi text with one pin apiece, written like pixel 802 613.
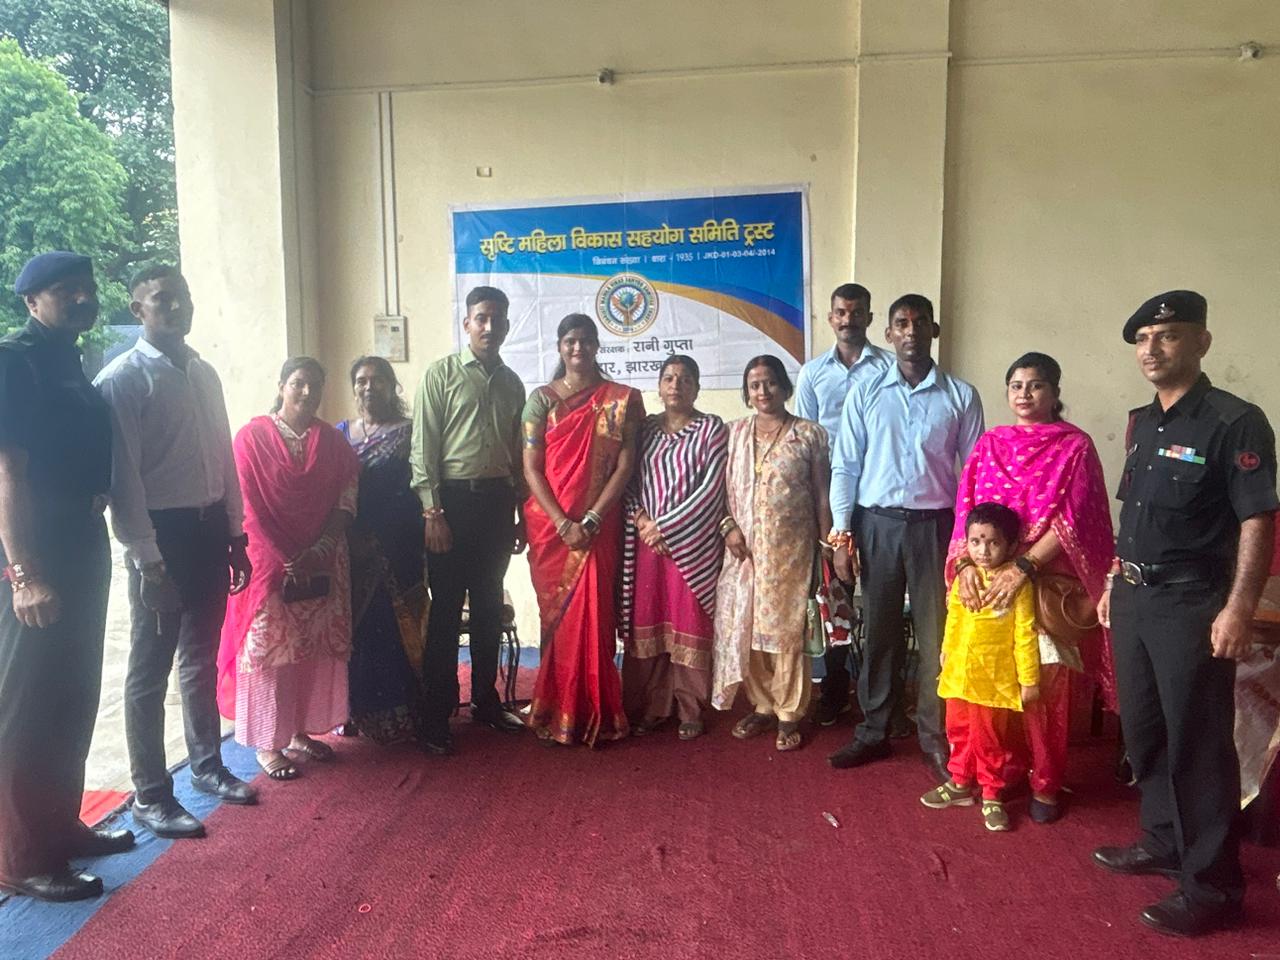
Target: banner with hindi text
pixel 721 277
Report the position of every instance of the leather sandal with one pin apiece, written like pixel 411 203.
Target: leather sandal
pixel 691 730
pixel 277 766
pixel 311 749
pixel 753 724
pixel 789 737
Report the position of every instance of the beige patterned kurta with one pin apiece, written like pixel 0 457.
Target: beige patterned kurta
pixel 761 601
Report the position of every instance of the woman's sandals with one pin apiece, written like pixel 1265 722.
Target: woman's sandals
pixel 311 749
pixel 752 725
pixel 788 736
pixel 277 766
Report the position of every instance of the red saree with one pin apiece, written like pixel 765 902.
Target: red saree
pixel 578 694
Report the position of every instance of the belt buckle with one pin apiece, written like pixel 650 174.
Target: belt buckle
pixel 1132 573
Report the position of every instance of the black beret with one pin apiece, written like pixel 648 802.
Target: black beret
pixel 45 269
pixel 1176 306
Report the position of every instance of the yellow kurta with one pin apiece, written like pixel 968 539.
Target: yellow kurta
pixel 990 655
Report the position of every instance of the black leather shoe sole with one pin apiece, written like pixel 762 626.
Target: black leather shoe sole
pixel 859 755
pixel 1180 923
pixel 103 843
pixel 503 722
pixel 182 826
pixel 1152 867
pixel 56 888
pixel 241 793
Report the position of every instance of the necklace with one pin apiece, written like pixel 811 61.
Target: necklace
pixel 364 429
pixel 758 457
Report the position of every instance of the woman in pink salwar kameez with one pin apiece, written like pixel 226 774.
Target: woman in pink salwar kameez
pixel 282 662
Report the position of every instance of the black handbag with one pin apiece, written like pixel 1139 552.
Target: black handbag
pixel 295 591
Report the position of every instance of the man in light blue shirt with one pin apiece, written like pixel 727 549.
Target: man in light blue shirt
pixel 823 384
pixel 902 438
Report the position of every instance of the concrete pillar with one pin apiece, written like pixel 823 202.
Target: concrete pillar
pixel 242 203
pixel 901 142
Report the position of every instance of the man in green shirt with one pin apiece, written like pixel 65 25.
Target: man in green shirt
pixel 467 470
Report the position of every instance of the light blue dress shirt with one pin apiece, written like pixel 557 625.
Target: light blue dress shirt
pixel 901 446
pixel 825 381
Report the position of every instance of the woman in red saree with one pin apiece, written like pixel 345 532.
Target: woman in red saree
pixel 579 433
pixel 282 661
pixel 1048 472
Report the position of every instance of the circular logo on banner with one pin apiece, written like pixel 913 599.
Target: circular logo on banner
pixel 627 304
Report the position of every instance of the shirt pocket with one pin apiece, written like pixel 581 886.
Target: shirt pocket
pixel 1181 485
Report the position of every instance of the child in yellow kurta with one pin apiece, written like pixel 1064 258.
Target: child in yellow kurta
pixel 990 666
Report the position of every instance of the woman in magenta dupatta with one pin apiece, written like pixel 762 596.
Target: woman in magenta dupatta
pixel 1048 471
pixel 579 434
pixel 282 662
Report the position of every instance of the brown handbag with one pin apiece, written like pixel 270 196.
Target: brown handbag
pixel 1064 609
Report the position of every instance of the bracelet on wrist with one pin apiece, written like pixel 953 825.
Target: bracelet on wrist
pixel 963 562
pixel 841 540
pixel 563 526
pixel 726 525
pixel 433 513
pixel 20 574
pixel 591 522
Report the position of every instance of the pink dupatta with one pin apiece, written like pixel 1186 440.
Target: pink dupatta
pixel 1050 475
pixel 286 505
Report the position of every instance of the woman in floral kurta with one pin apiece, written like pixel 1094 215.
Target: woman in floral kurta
pixel 777 479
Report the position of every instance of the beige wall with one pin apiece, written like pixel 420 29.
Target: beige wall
pixel 1076 188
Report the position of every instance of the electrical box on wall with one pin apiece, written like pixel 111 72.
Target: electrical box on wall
pixel 390 338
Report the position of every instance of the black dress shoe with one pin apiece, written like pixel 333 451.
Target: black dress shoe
pixel 101 842
pixel 60 887
pixel 437 744
pixel 1177 916
pixel 168 819
pixel 499 719
pixel 828 711
pixel 856 754
pixel 1134 860
pixel 226 786
pixel 937 764
pixel 901 727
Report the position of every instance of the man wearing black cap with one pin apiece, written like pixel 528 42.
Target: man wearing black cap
pixel 55 470
pixel 1196 534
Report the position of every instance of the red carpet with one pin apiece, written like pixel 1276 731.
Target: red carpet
pixel 97 804
pixel 651 848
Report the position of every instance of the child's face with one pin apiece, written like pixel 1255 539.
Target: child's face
pixel 987 545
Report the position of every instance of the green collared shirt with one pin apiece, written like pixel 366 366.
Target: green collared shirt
pixel 466 425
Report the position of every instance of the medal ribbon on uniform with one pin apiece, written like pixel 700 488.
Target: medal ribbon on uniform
pixel 1175 452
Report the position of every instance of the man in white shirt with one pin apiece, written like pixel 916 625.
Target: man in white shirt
pixel 176 507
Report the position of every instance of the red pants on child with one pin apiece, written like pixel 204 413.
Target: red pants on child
pixel 979 738
pixel 1047 723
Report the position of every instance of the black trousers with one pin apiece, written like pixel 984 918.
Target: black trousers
pixel 897 556
pixel 194 546
pixel 1177 711
pixel 483 527
pixel 50 680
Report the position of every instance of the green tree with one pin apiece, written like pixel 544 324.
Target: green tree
pixel 115 54
pixel 61 186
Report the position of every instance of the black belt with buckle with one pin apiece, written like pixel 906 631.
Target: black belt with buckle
pixel 209 511
pixel 1156 574
pixel 478 486
pixel 910 516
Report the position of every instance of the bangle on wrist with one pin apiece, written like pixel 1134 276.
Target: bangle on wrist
pixel 433 513
pixel 726 525
pixel 563 526
pixel 591 521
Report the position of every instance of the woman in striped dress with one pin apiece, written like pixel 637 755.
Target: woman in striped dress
pixel 672 557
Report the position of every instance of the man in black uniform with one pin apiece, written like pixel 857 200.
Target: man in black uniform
pixel 55 469
pixel 1196 534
